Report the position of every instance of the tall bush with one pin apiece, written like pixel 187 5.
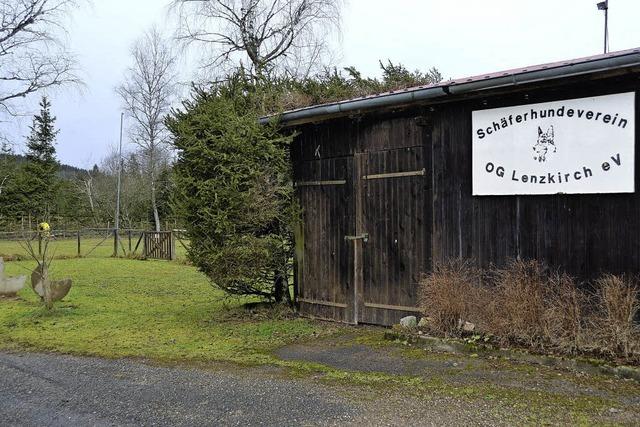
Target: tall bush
pixel 234 191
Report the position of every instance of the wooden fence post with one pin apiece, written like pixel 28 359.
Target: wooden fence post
pixel 129 236
pixel 172 242
pixel 78 236
pixel 144 244
pixel 115 242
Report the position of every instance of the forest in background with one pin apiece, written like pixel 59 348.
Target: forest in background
pixel 36 187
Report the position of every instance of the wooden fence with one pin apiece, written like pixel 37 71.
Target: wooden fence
pixel 98 242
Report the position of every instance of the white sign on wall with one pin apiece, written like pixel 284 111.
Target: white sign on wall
pixel 574 146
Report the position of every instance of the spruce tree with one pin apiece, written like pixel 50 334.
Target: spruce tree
pixel 8 168
pixel 40 181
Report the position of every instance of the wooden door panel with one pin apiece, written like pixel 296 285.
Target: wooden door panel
pixel 393 258
pixel 325 272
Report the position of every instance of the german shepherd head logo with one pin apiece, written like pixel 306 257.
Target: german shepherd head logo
pixel 545 145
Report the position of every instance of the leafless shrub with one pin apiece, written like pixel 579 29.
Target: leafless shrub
pixel 564 314
pixel 447 295
pixel 525 303
pixel 617 307
pixel 517 311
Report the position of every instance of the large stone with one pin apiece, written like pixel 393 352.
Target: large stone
pixel 409 322
pixel 10 286
pixel 468 327
pixel 424 322
pixel 58 288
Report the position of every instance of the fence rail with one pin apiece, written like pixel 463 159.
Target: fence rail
pixel 97 242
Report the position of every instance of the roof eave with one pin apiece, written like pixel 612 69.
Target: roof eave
pixel 423 95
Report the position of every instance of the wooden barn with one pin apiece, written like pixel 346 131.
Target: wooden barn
pixel 536 163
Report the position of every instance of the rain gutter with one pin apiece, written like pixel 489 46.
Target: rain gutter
pixel 320 112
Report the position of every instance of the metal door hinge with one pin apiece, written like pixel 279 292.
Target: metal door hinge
pixel 364 237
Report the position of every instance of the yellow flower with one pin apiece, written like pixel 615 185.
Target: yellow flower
pixel 44 228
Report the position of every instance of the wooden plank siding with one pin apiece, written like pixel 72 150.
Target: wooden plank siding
pixel 582 234
pixel 325 272
pixel 326 219
pixel 396 252
pixel 414 219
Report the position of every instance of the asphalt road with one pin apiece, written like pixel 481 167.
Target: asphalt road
pixel 54 390
pixel 57 390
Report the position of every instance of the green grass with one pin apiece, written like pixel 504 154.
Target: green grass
pixel 152 309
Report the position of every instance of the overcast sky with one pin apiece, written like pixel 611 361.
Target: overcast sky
pixel 459 37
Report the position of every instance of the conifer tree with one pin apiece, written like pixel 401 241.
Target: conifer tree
pixel 6 163
pixel 40 181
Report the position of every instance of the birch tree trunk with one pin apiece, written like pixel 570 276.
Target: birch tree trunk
pixel 149 87
pixel 154 203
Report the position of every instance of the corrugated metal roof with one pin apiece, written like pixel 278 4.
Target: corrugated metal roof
pixel 565 68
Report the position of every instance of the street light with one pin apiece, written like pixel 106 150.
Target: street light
pixel 117 222
pixel 604 5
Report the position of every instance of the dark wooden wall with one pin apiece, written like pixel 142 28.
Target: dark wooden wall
pixel 583 235
pixel 416 220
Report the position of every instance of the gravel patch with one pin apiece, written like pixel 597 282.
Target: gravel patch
pixel 54 390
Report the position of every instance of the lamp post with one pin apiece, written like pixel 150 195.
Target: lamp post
pixel 604 5
pixel 117 219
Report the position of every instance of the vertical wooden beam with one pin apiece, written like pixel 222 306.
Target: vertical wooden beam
pixel 115 242
pixel 144 244
pixel 298 262
pixel 358 272
pixel 78 241
pixel 172 242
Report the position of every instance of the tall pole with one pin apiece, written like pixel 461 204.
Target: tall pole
pixel 117 222
pixel 604 5
pixel 606 26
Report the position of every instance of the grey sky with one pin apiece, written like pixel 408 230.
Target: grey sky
pixel 460 37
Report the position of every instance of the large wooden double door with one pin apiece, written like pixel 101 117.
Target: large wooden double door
pixel 364 239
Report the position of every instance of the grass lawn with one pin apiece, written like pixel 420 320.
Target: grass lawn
pixel 152 309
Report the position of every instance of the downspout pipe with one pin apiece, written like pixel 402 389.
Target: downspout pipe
pixel 319 112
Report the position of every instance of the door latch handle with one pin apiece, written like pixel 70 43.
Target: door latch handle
pixel 364 237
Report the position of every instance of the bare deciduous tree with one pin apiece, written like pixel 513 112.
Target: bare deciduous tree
pixel 32 55
pixel 85 185
pixel 147 93
pixel 288 35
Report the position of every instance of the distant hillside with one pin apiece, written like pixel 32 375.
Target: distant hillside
pixel 66 171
